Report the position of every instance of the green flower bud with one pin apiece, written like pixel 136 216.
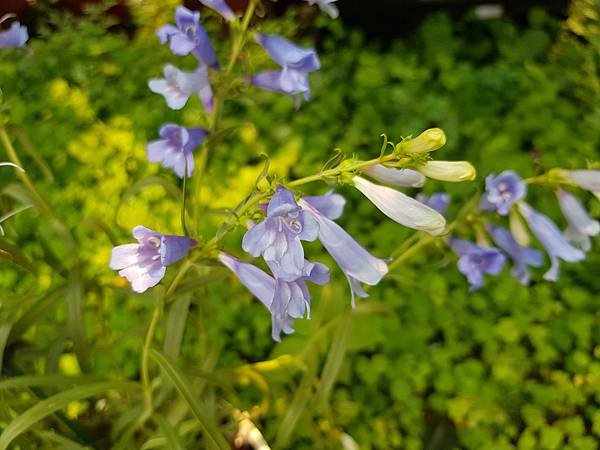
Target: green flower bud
pixel 428 141
pixel 452 171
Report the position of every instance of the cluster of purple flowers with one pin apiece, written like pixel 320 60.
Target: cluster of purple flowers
pixel 15 36
pixel 504 195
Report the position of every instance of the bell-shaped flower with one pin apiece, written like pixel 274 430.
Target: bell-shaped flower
pixel 15 36
pixel 476 261
pixel 551 239
pixel 277 238
pixel 502 191
pixel 522 257
pixel 581 225
pixel 221 7
pixel 189 36
pixel 586 179
pixel 401 208
pixel 296 63
pixel 331 205
pixel 428 141
pixel 438 201
pixel 175 149
pixel 356 263
pixel 144 264
pixel 327 7
pixel 451 171
pixel 395 177
pixel 178 86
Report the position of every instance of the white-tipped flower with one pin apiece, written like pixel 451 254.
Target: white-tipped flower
pixel 428 141
pixel 401 208
pixel 586 179
pixel 396 177
pixel 452 171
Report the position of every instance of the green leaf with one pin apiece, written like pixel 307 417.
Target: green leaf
pixel 47 380
pixel 4 333
pixel 62 442
pixel 52 404
pixel 182 385
pixel 12 254
pixel 33 313
pixel 172 438
pixel 75 319
pixel 175 326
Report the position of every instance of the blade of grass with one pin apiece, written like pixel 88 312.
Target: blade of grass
pixel 75 319
pixel 47 380
pixel 175 327
pixel 170 433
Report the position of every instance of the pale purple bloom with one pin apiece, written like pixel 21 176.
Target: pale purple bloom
pixel 331 205
pixel 15 36
pixel 277 238
pixel 396 177
pixel 581 225
pixel 175 149
pixel 476 261
pixel 189 36
pixel 327 7
pixel 401 208
pixel 438 201
pixel 356 263
pixel 144 263
pixel 177 86
pixel 587 179
pixel 502 191
pixel 552 239
pixel 221 7
pixel 296 63
pixel 522 257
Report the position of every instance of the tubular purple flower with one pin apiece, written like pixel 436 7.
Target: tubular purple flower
pixel 221 7
pixel 177 86
pixel 581 225
pixel 551 239
pixel 401 208
pixel 330 205
pixel 586 179
pixel 475 261
pixel 327 7
pixel 522 257
pixel 144 264
pixel 356 263
pixel 176 148
pixel 438 201
pixel 15 36
pixel 189 36
pixel 502 191
pixel 277 238
pixel 396 177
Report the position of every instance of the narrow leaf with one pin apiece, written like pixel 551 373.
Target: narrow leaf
pixel 175 327
pixel 75 319
pixel 172 438
pixel 335 358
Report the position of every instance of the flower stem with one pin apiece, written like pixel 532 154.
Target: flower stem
pixel 147 382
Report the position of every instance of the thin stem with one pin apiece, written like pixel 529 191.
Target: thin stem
pixel 184 201
pixel 147 382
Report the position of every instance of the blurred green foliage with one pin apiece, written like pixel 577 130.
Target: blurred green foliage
pixel 422 363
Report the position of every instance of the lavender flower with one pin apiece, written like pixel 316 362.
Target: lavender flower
pixel 502 191
pixel 175 149
pixel 330 205
pixel 144 264
pixel 581 225
pixel 189 36
pixel 277 238
pixel 15 36
pixel 297 63
pixel 177 86
pixel 356 263
pixel 522 257
pixel 221 7
pixel 551 238
pixel 396 177
pixel 438 201
pixel 401 208
pixel 327 7
pixel 587 179
pixel 475 261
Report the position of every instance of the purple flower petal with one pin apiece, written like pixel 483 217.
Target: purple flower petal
pixel 330 205
pixel 503 191
pixel 396 177
pixel 221 7
pixel 15 36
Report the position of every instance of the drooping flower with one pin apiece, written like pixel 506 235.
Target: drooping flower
pixel 175 149
pixel 178 86
pixel 189 36
pixel 401 208
pixel 15 36
pixel 277 238
pixel 522 257
pixel 356 263
pixel 587 179
pixel 428 141
pixel 331 205
pixel 396 177
pixel 451 171
pixel 581 225
pixel 144 264
pixel 296 63
pixel 221 7
pixel 551 239
pixel 502 191
pixel 476 261
pixel 438 201
pixel 327 7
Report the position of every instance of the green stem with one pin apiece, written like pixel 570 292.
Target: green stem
pixel 147 382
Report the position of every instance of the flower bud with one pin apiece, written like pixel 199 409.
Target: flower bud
pixel 518 228
pixel 428 141
pixel 452 171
